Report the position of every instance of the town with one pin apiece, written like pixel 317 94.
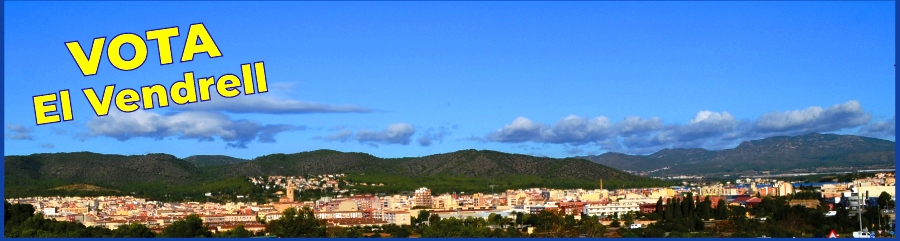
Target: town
pixel 347 209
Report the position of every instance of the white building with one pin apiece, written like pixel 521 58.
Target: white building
pixel 612 209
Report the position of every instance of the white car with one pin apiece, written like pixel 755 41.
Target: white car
pixel 862 234
pixel 634 226
pixel 830 213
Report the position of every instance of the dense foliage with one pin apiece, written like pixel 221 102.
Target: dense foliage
pixel 166 178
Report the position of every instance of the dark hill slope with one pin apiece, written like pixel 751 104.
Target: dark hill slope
pixel 162 174
pixel 213 160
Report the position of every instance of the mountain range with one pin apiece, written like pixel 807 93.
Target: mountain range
pixel 157 174
pixel 465 170
pixel 781 154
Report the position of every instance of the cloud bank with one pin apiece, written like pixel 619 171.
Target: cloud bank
pixel 18 132
pixel 202 126
pixel 432 135
pixel 263 104
pixel 399 134
pixel 708 129
pixel 394 134
pixel 880 129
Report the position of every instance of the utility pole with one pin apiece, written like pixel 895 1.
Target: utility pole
pixel 858 210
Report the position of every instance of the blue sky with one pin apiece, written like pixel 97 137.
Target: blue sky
pixel 398 79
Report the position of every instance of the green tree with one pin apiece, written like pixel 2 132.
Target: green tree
pixel 687 206
pixel 885 201
pixel 512 232
pixel 237 232
pixel 374 235
pixel 704 209
pixel 676 210
pixel 133 230
pixel 591 227
pixel 629 218
pixel 297 224
pixel 400 233
pixel 615 223
pixel 721 210
pixel 17 213
pixel 189 227
pixel 422 217
pixel 660 207
pixel 434 218
pixel 341 232
pixel 667 212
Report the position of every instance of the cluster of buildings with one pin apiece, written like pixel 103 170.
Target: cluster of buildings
pixel 317 182
pixel 371 209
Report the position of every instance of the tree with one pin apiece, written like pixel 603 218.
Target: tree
pixel 615 223
pixel 629 218
pixel 400 233
pixel 434 218
pixel 17 213
pixel 237 232
pixel 6 213
pixel 512 232
pixel 659 207
pixel 374 235
pixel 133 230
pixel 676 208
pixel 721 210
pixel 687 206
pixel 189 227
pixel 591 227
pixel 704 209
pixel 341 232
pixel 885 201
pixel 297 224
pixel 668 213
pixel 422 217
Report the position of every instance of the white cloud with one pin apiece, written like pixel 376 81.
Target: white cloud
pixel 266 104
pixel 708 129
pixel 634 125
pixel 880 129
pixel 342 136
pixel 813 119
pixel 520 130
pixel 18 132
pixel 400 133
pixel 431 135
pixel 571 129
pixel 203 126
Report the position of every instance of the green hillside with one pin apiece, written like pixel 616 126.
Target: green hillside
pixel 162 176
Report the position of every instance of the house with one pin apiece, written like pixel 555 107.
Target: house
pixel 647 207
pixel 746 201
pixel 397 217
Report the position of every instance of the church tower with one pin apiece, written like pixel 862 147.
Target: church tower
pixel 290 191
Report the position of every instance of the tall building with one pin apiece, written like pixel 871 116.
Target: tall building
pixel 423 197
pixel 289 193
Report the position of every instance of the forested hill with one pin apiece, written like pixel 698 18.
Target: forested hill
pixel 153 174
pixel 213 160
pixel 466 163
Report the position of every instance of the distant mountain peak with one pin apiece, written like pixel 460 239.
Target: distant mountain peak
pixel 812 151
